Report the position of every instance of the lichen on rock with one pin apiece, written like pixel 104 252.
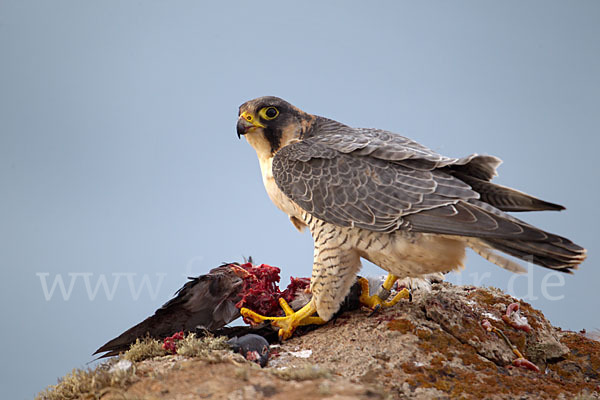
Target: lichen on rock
pixel 432 347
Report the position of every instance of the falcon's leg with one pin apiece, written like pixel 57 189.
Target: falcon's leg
pixel 334 271
pixel 379 299
pixel 291 321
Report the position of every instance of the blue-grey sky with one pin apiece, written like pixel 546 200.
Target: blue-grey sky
pixel 119 159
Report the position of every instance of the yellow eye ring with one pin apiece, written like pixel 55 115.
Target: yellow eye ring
pixel 268 113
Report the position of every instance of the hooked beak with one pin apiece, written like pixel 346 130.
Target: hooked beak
pixel 245 123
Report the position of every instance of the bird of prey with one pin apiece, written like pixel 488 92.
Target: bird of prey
pixel 373 194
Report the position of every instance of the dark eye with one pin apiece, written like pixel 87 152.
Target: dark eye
pixel 268 113
pixel 271 112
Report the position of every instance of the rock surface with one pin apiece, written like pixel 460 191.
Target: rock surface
pixel 432 347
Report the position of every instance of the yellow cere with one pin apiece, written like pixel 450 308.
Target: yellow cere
pixel 248 117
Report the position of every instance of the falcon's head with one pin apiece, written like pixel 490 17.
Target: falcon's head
pixel 270 123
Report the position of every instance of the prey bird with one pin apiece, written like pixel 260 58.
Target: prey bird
pixel 207 302
pixel 376 195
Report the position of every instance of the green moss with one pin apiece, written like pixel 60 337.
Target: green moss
pixel 94 383
pixel 189 346
pixel 144 349
pixel 89 383
pixel 192 346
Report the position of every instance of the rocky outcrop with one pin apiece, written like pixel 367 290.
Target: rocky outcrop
pixel 432 347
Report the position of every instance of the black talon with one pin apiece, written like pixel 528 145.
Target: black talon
pixel 375 310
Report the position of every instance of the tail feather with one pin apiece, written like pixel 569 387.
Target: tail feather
pixel 484 250
pixel 490 228
pixel 123 342
pixel 505 198
pixel 550 251
pixel 547 254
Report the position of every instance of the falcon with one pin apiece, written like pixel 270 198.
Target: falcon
pixel 375 195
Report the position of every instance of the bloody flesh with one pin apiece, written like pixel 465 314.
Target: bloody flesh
pixel 260 292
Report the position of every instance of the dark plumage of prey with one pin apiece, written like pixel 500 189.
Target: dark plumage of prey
pixel 205 302
pixel 373 194
pixel 252 347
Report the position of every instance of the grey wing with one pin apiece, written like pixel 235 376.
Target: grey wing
pixel 390 146
pixel 357 190
pixel 474 170
pixel 383 190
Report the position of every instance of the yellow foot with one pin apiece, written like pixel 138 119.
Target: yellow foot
pixel 288 324
pixel 379 300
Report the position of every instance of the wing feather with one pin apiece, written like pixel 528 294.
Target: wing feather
pixel 359 190
pixel 380 181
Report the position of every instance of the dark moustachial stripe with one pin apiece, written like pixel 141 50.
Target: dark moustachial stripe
pixel 273 135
